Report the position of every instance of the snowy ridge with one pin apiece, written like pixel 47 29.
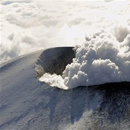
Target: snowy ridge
pixel 28 104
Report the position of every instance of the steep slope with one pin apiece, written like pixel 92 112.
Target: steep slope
pixel 28 104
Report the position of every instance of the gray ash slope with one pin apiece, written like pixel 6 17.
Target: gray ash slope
pixel 28 104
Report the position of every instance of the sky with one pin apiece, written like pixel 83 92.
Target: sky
pixel 27 26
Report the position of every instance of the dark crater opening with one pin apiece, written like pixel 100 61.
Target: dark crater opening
pixel 54 60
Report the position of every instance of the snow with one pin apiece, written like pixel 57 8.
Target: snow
pixel 26 103
pixel 101 33
pixel 29 104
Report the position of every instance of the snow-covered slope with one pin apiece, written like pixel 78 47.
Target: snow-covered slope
pixel 28 104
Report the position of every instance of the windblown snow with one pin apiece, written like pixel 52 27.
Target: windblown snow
pixel 103 58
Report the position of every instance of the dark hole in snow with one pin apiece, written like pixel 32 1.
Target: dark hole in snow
pixel 54 60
